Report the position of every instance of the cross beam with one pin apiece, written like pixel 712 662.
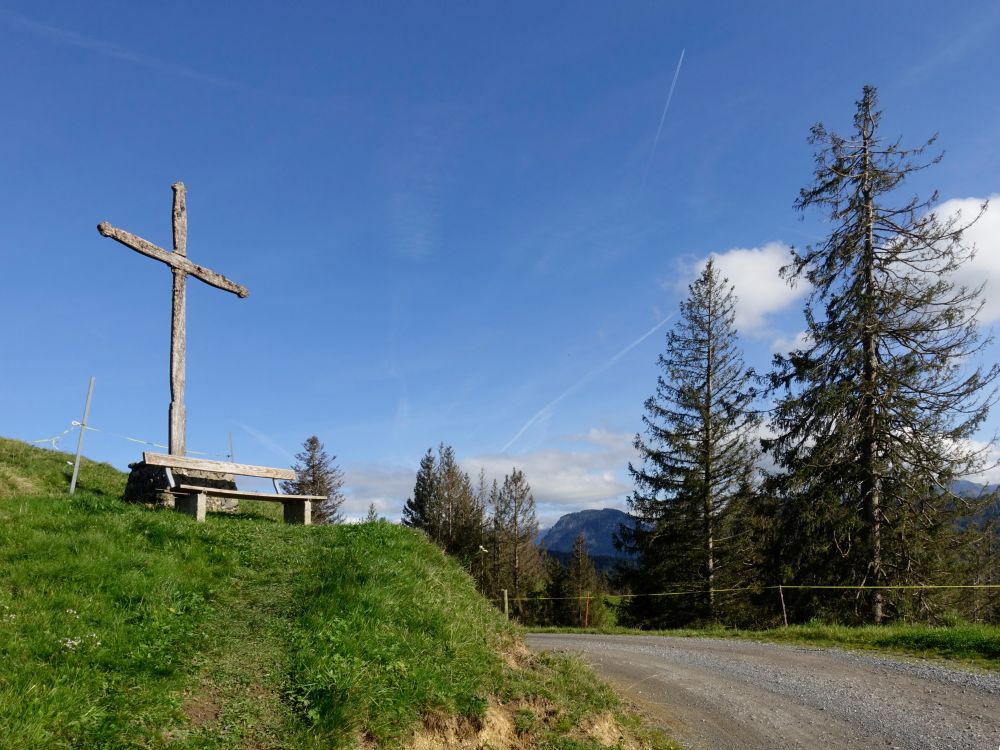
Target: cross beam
pixel 174 260
pixel 181 268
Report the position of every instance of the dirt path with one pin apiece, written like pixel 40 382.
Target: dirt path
pixel 719 694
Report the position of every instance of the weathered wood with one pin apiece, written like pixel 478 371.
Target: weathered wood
pixel 243 495
pixel 177 424
pixel 177 416
pixel 180 219
pixel 221 467
pixel 194 505
pixel 147 248
pixel 181 267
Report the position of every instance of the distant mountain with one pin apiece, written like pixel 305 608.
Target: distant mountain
pixel 965 488
pixel 597 526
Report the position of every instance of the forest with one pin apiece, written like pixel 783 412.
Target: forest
pixel 825 489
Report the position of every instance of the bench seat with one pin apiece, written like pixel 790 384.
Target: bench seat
pixel 241 495
pixel 191 499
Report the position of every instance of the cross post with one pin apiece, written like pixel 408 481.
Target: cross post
pixel 181 268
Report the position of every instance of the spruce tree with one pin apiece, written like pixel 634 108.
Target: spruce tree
pixel 317 474
pixel 513 528
pixel 875 411
pixel 698 458
pixel 418 510
pixel 585 587
pixel 460 517
pixel 445 506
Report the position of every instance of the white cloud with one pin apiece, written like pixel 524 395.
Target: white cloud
pixel 588 470
pixel 784 344
pixel 386 486
pixel 989 455
pixel 592 475
pixel 985 235
pixel 760 291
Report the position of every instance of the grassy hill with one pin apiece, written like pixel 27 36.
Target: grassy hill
pixel 122 626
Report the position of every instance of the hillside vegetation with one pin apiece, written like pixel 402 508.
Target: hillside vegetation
pixel 122 626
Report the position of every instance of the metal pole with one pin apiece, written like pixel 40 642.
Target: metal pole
pixel 232 458
pixel 79 442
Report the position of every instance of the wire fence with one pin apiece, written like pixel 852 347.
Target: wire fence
pixel 74 425
pixel 754 590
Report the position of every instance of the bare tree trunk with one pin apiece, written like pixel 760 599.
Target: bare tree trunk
pixel 709 520
pixel 871 484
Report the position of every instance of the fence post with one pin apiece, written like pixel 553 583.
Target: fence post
pixel 79 442
pixel 586 612
pixel 506 610
pixel 784 613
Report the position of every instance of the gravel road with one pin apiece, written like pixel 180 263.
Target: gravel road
pixel 713 694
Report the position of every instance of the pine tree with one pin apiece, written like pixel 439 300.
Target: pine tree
pixel 372 515
pixel 418 510
pixel 516 562
pixel 460 516
pixel 876 409
pixel 698 459
pixel 583 583
pixel 446 507
pixel 480 563
pixel 555 608
pixel 317 474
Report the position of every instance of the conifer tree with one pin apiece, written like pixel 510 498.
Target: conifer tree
pixel 445 505
pixel 417 512
pixel 460 517
pixel 876 409
pixel 317 474
pixel 585 587
pixel 698 457
pixel 517 564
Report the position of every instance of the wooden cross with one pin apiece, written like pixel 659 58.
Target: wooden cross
pixel 181 267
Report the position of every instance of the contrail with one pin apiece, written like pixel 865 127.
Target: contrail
pixel 266 440
pixel 101 47
pixel 546 410
pixel 663 117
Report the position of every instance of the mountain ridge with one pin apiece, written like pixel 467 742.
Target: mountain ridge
pixel 598 526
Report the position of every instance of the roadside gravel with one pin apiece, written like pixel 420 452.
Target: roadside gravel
pixel 715 694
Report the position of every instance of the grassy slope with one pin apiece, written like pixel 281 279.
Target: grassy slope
pixel 973 645
pixel 126 627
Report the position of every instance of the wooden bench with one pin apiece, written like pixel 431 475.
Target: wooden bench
pixel 192 499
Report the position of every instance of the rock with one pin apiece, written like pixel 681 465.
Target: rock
pixel 148 485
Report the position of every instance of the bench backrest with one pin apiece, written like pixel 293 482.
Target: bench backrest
pixel 221 467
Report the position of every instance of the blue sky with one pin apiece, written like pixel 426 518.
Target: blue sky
pixel 458 222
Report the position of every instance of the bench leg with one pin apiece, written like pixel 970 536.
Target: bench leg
pixel 192 505
pixel 299 511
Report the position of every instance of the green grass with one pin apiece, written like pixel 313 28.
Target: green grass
pixel 26 471
pixel 124 627
pixel 964 644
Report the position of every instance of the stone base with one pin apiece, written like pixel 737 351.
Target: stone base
pixel 148 485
